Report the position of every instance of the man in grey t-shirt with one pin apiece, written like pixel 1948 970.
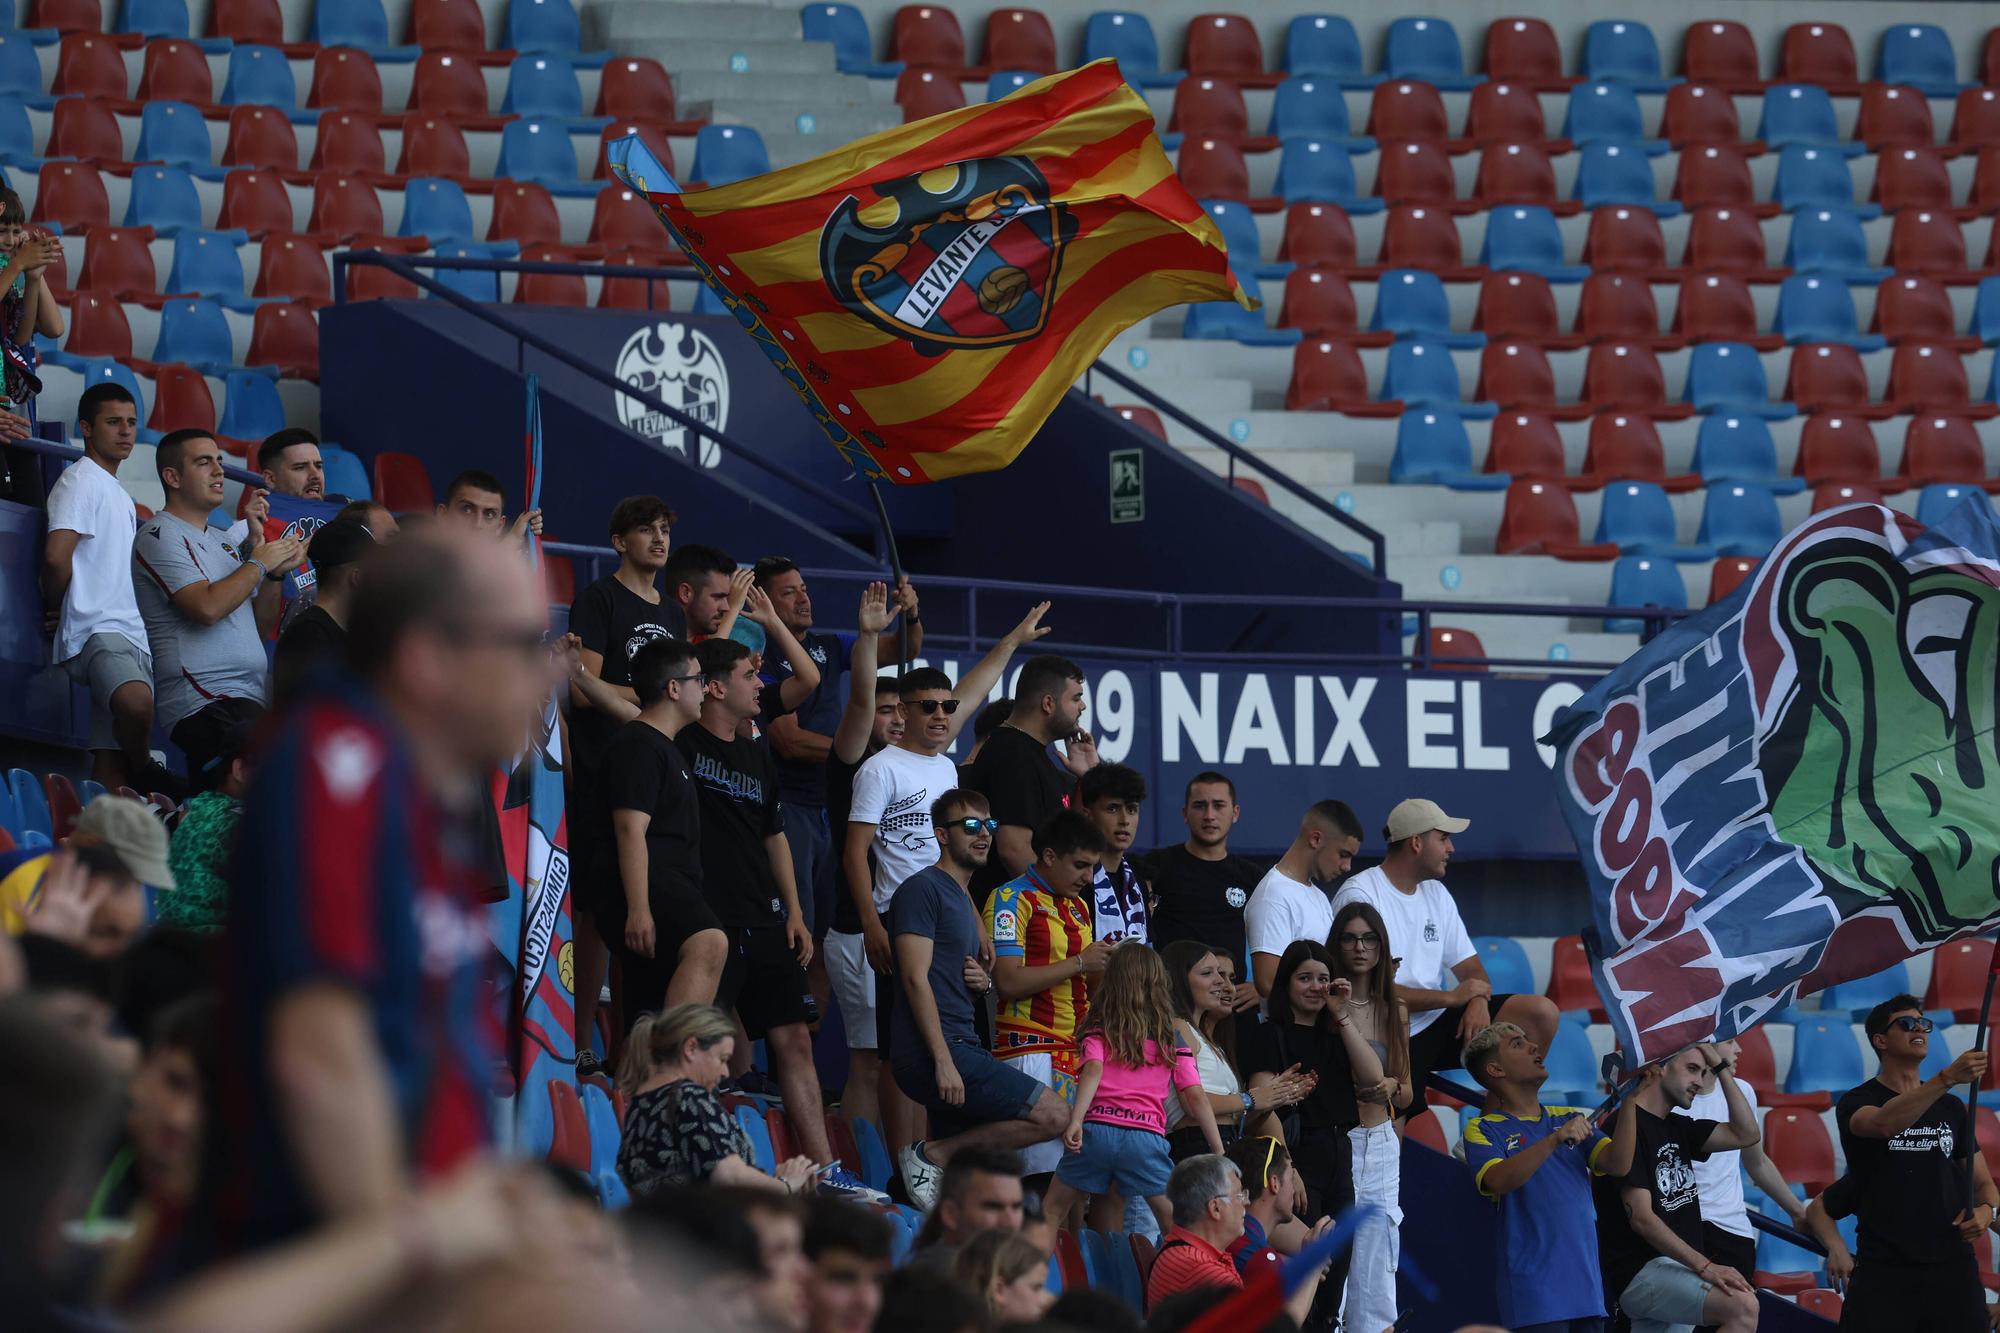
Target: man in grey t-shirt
pixel 205 608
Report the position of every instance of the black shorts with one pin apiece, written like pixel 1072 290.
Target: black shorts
pixel 1901 1298
pixel 764 983
pixel 679 913
pixel 1439 1048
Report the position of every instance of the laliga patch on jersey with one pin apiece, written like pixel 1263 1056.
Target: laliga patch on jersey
pixel 1235 896
pixel 1003 924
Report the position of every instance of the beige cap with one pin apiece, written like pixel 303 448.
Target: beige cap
pixel 1416 816
pixel 130 828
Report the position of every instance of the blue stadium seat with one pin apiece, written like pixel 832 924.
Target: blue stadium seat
pixel 706 302
pixel 1738 447
pixel 1729 377
pixel 1312 107
pixel 875 1164
pixel 724 154
pixel 1421 373
pixel 611 1192
pixel 251 407
pixel 1811 177
pixel 1936 1056
pixel 1858 996
pixel 1607 112
pixel 1624 51
pixel 1825 1057
pixel 1619 173
pixel 435 208
pixel 1831 241
pixel 1819 308
pixel 20 68
pixel 1940 498
pixel 363 25
pixel 1320 172
pixel 853 46
pixel 1740 519
pixel 31 807
pixel 260 75
pixel 176 134
pixel 1411 303
pixel 210 263
pixel 1638 518
pixel 164 199
pixel 1506 964
pixel 542 85
pixel 1985 324
pixel 1230 321
pixel 1427 49
pixel 17 134
pixel 1571 1063
pixel 1527 238
pixel 107 370
pixel 539 149
pixel 761 1154
pixel 1327 45
pixel 346 474
pixel 1432 448
pixel 1642 580
pixel 1006 81
pixel 1239 233
pixel 1802 113
pixel 89 790
pixel 196 333
pixel 480 285
pixel 543 25
pixel 1127 37
pixel 153 18
pixel 1919 55
pixel 598 1112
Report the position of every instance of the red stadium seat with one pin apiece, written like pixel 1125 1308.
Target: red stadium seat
pixel 1924 242
pixel 1628 375
pixel 1619 307
pixel 1909 308
pixel 1320 303
pixel 1829 377
pixel 1227 46
pixel 261 136
pixel 1958 977
pixel 66 15
pixel 1754 1063
pixel 1145 418
pixel 1213 168
pixel 1838 447
pixel 1519 305
pixel 635 88
pixel 1911 178
pixel 1527 445
pixel 1834 494
pixel 1251 487
pixel 550 288
pixel 287 337
pixel 1985 197
pixel 1327 376
pixel 569 1145
pixel 1425 1128
pixel 1504 113
pixel 1625 240
pixel 1069 1257
pixel 928 92
pixel 1727 240
pixel 98 327
pixel 258 21
pixel 621 220
pixel 256 202
pixel 1717 307
pixel 73 194
pixel 927 36
pixel 653 136
pixel 118 262
pixel 1716 176
pixel 345 206
pixel 448 25
pixel 1823 1302
pixel 1539 518
pixel 1021 39
pixel 344 79
pixel 293 267
pixel 1416 173
pixel 1516 374
pixel 89 64
pixel 1524 51
pixel 1214 109
pixel 1726 576
pixel 447 84
pixel 433 146
pixel 1426 237
pixel 1570 983
pixel 84 128
pixel 1893 117
pixel 1319 236
pixel 1975 121
pixel 1944 449
pixel 176 71
pixel 1721 53
pixel 349 142
pixel 181 400
pixel 1797 1143
pixel 370 282
pixel 1517 173
pixel 1989 59
pixel 1404 110
pixel 64 808
pixel 1986 1126
pixel 1930 378
pixel 1449 649
pixel 526 213
pixel 839 1131
pixel 1697 115
pixel 632 293
pixel 401 482
pixel 1820 53
pixel 1625 446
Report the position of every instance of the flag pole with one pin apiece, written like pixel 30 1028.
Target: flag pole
pixel 1972 1086
pixel 896 582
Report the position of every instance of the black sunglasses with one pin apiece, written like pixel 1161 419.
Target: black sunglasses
pixel 1911 1024
pixel 971 825
pixel 928 706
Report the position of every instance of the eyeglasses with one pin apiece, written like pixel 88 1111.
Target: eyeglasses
pixel 971 825
pixel 929 706
pixel 1909 1024
pixel 676 680
pixel 1369 941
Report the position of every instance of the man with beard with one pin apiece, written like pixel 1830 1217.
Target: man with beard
pixel 938 1059
pixel 1014 769
pixel 1199 889
pixel 1291 902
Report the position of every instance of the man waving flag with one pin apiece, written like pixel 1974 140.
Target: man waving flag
pixel 931 291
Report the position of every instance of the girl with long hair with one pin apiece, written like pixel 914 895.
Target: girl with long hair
pixel 1134 1050
pixel 1202 982
pixel 1359 944
pixel 1006 1271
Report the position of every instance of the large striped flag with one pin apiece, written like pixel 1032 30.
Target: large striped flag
pixel 931 291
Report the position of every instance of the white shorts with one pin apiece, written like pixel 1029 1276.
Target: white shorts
pixel 1039 1158
pixel 853 984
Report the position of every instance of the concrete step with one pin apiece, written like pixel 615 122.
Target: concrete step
pixel 618 23
pixel 783 140
pixel 1320 469
pixel 1428 539
pixel 683 57
pixel 1536 639
pixel 791 93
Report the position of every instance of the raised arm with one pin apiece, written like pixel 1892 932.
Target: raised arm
pixel 976 684
pixel 1504 1175
pixel 581 666
pixel 857 720
pixel 1362 1062
pixel 805 672
pixel 903 603
pixel 1617 1161
pixel 1905 1109
pixel 1741 1130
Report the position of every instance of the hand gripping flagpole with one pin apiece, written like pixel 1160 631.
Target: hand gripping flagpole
pixel 1972 1086
pixel 895 578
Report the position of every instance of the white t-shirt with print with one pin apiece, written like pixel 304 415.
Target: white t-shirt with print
pixel 894 791
pixel 88 501
pixel 1283 911
pixel 1719 1176
pixel 1425 932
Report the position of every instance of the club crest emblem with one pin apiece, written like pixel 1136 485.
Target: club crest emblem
pixel 967 255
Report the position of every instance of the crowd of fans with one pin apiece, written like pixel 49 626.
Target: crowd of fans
pixel 251 1061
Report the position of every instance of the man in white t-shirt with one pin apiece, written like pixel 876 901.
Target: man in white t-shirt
pixel 1438 972
pixel 100 638
pixel 1728 1238
pixel 1290 902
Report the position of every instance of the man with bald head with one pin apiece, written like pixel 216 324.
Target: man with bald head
pixel 357 942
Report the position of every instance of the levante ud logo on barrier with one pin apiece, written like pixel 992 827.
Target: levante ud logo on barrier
pixel 962 256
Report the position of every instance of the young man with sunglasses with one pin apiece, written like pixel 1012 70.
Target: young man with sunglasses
pixel 1908 1140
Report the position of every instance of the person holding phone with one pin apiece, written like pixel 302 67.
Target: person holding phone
pixel 26 305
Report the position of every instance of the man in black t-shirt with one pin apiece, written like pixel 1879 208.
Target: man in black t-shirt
pixel 1649 1230
pixel 613 618
pixel 746 869
pixel 316 640
pixel 671 943
pixel 1909 1144
pixel 1199 889
pixel 1024 785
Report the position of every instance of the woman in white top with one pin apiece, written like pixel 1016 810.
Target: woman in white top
pixel 1360 947
pixel 1203 983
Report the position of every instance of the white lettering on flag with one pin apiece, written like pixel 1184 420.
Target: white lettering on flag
pixel 927 293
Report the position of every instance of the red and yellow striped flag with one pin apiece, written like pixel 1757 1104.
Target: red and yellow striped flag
pixel 931 291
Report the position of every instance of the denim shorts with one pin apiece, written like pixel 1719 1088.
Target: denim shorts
pixel 995 1090
pixel 1134 1161
pixel 1665 1294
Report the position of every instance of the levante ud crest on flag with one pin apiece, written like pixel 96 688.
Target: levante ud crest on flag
pixel 963 256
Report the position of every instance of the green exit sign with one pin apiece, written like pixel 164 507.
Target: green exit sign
pixel 1128 486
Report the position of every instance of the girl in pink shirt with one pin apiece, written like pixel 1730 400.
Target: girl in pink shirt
pixel 1134 1052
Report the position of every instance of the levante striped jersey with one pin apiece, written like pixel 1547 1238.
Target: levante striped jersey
pixel 1034 923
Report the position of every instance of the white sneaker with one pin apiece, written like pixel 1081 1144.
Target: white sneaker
pixel 921 1176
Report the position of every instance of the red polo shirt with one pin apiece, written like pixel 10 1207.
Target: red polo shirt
pixel 1186 1262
